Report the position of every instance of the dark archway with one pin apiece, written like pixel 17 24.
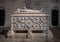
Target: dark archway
pixel 54 17
pixel 2 17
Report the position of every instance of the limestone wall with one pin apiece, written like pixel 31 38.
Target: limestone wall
pixel 11 6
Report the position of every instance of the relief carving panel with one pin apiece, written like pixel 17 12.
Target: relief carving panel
pixel 29 22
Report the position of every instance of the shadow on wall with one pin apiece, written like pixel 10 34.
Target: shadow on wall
pixel 4 30
pixel 56 32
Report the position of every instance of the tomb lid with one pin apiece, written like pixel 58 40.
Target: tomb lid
pixel 28 11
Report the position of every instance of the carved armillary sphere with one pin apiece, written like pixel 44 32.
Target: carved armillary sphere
pixel 55 1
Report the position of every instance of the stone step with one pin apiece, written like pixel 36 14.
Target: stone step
pixel 39 35
pixel 25 40
pixel 34 35
pixel 18 40
pixel 20 35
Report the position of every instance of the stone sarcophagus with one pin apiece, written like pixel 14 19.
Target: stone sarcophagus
pixel 29 22
pixel 26 21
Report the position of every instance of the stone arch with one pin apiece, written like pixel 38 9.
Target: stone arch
pixel 54 16
pixel 2 16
